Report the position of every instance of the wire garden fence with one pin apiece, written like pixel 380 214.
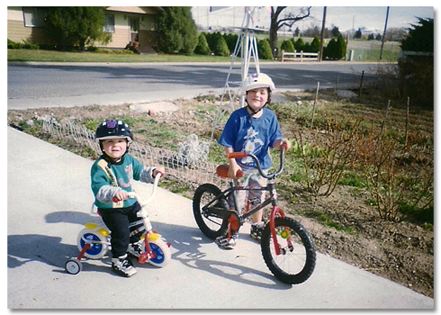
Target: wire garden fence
pixel 189 164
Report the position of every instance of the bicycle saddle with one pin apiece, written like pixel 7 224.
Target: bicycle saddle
pixel 222 171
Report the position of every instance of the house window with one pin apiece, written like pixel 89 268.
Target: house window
pixel 109 24
pixel 33 17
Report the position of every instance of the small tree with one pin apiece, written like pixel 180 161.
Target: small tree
pixel 177 31
pixel 202 47
pixel 416 71
pixel 341 46
pixel 231 40
pixel 299 44
pixel 315 44
pixel 264 49
pixel 74 26
pixel 221 47
pixel 287 46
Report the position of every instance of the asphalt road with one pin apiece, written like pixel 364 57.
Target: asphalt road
pixel 32 85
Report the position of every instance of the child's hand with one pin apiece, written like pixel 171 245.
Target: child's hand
pixel 121 195
pixel 158 169
pixel 234 171
pixel 283 143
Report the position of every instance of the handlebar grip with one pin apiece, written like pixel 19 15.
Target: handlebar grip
pixel 236 155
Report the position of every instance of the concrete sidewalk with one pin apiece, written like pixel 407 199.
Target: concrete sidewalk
pixel 49 199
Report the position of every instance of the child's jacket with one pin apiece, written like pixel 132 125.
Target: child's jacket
pixel 107 179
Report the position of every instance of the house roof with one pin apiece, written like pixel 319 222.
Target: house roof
pixel 138 10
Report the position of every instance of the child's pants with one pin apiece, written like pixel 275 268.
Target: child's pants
pixel 251 180
pixel 118 221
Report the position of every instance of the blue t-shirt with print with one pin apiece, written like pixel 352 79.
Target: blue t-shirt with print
pixel 252 135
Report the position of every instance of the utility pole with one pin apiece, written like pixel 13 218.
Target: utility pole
pixel 384 32
pixel 322 35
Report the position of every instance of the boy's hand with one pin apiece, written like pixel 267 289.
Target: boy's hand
pixel 279 143
pixel 121 195
pixel 158 169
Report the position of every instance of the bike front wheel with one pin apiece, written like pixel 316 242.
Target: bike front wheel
pixel 161 253
pixel 210 223
pixel 296 260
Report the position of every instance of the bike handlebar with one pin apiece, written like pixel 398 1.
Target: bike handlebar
pixel 241 155
pixel 133 194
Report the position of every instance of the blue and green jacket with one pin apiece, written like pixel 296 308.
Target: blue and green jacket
pixel 109 178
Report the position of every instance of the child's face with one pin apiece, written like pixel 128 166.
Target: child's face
pixel 115 148
pixel 257 98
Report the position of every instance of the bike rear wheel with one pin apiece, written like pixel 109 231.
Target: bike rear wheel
pixel 211 224
pixel 99 246
pixel 297 257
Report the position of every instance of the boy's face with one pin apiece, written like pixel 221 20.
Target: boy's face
pixel 115 148
pixel 257 98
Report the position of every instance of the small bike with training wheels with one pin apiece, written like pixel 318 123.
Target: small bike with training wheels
pixel 94 240
pixel 287 248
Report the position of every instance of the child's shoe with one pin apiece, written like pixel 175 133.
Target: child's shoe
pixel 257 230
pixel 135 249
pixel 123 266
pixel 224 243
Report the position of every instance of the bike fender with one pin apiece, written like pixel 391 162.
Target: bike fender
pixel 153 236
pixel 91 226
pixel 103 232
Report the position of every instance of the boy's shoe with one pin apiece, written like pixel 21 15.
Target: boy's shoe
pixel 123 266
pixel 224 243
pixel 257 230
pixel 135 249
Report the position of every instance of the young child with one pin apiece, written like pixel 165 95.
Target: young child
pixel 112 176
pixel 254 129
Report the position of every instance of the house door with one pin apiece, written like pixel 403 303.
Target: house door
pixel 134 29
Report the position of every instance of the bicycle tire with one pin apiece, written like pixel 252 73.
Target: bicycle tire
pixel 162 253
pixel 295 264
pixel 210 224
pixel 97 250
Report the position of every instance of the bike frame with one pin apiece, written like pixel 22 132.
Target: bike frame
pixel 272 199
pixel 142 214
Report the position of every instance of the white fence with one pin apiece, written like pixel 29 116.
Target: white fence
pixel 299 56
pixel 189 164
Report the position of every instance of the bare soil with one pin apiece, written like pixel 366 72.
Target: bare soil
pixel 400 251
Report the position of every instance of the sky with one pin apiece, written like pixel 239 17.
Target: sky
pixel 343 17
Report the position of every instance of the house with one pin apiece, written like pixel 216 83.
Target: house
pixel 133 26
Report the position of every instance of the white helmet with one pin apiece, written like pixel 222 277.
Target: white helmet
pixel 258 80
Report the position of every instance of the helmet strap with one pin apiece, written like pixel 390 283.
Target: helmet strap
pixel 254 112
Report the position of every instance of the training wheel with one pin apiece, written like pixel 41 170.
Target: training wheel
pixel 73 266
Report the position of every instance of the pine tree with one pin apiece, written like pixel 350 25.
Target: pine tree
pixel 177 31
pixel 202 47
pixel 74 26
pixel 264 49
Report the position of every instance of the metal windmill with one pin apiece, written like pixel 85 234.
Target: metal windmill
pixel 246 49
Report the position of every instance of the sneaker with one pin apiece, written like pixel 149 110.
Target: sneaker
pixel 123 266
pixel 224 243
pixel 135 249
pixel 257 230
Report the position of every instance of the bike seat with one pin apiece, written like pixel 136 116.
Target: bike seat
pixel 222 171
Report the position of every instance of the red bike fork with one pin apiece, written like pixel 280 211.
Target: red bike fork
pixel 148 254
pixel 276 210
pixel 86 247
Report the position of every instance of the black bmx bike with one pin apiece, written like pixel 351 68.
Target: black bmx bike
pixel 287 248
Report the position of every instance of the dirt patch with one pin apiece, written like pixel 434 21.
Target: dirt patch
pixel 343 225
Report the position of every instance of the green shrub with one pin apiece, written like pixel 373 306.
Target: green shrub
pixel 264 49
pixel 202 47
